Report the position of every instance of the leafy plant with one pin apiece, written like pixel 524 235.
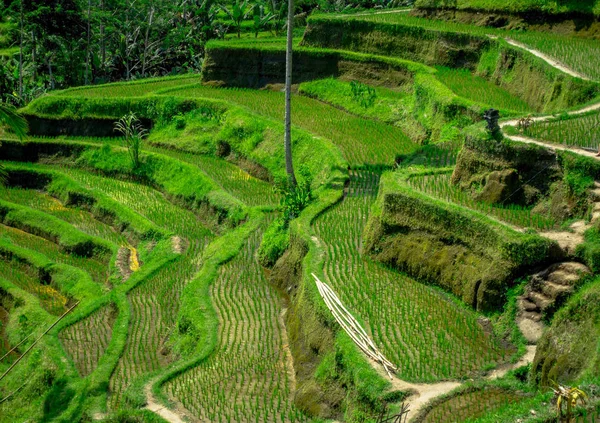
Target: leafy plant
pixel 133 131
pixel 238 12
pixel 16 124
pixel 294 198
pixel 567 398
pixel 363 94
pixel 261 17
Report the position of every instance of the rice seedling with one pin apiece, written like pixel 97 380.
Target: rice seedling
pixel 132 89
pixel 440 186
pixel 578 131
pixel 154 306
pixel 471 405
pixel 362 141
pixel 249 377
pixel 79 219
pixel 97 268
pixel 480 90
pixel 87 340
pixel 425 334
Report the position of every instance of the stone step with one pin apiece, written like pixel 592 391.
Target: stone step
pixel 554 290
pixel 562 277
pixel 536 317
pixel 541 300
pixel 526 305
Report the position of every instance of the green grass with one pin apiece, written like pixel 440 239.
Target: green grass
pixel 390 106
pixel 362 141
pixel 137 88
pixel 480 90
pixel 404 317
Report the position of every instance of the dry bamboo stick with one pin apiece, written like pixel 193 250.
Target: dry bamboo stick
pixel 356 325
pixel 351 326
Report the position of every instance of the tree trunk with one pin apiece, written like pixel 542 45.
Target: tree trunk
pixel 21 56
pixel 52 85
pixel 289 164
pixel 146 41
pixel 34 54
pixel 88 52
pixel 102 38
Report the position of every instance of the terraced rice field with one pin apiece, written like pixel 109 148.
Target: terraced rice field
pixel 478 89
pixel 154 306
pixel 87 340
pixel 573 52
pixel 471 405
pixel 427 335
pixel 578 131
pixel 97 268
pixel 50 297
pixel 137 89
pixel 233 179
pixel 249 377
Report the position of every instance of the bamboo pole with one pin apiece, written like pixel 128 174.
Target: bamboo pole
pixel 352 327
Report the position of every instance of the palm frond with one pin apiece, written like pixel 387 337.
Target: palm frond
pixel 15 122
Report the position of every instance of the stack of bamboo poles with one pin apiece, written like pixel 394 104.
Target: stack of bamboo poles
pixel 352 327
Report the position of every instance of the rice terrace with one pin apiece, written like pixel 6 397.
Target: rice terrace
pixel 300 211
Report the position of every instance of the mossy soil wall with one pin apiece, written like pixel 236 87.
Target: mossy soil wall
pixel 578 24
pixel 544 88
pixel 502 171
pixel 90 127
pixel 255 67
pixel 465 252
pixel 569 350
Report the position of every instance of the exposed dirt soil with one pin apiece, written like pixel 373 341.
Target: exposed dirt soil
pixel 123 263
pixel 179 244
pixel 170 415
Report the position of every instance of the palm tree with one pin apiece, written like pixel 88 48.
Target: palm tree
pixel 289 164
pixel 18 125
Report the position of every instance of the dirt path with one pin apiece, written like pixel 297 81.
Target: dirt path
pixel 172 416
pixel 550 60
pixel 289 358
pixel 423 393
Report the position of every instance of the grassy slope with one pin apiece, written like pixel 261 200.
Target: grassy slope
pixel 362 141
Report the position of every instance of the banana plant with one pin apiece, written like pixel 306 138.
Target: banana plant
pixel 18 125
pixel 238 12
pixel 261 18
pixel 567 398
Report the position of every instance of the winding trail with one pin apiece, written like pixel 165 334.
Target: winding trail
pixel 548 59
pixel 172 416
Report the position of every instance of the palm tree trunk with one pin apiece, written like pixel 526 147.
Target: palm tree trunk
pixel 289 164
pixel 21 55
